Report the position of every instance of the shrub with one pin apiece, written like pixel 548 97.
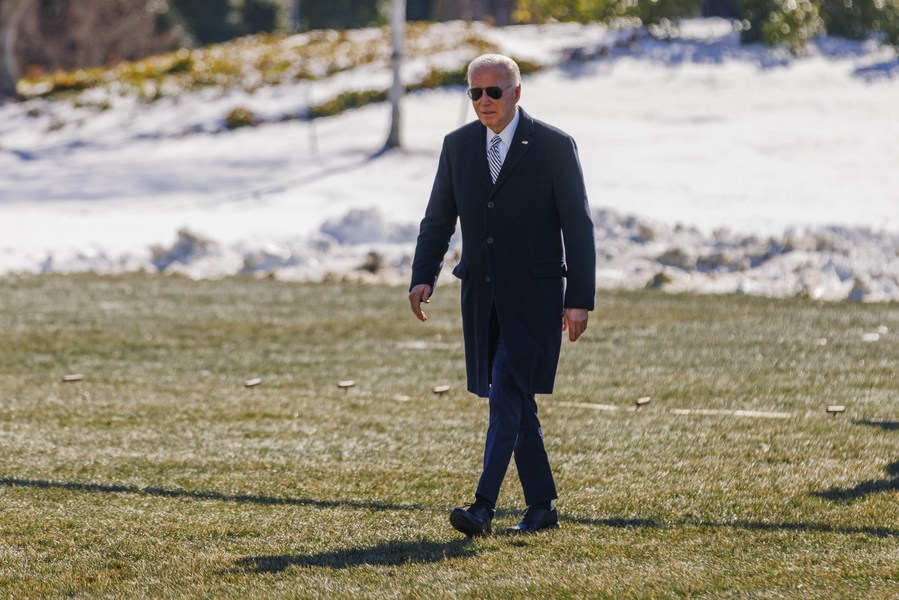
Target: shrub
pixel 853 19
pixel 241 117
pixel 536 11
pixel 789 22
pixel 655 12
pixel 346 101
pixel 438 78
pixel 74 81
pixel 887 21
pixel 793 23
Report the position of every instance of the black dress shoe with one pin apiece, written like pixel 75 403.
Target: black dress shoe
pixel 535 519
pixel 473 520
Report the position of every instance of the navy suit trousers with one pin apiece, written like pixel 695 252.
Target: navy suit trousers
pixel 514 429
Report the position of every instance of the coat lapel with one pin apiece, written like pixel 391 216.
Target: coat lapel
pixel 479 154
pixel 521 143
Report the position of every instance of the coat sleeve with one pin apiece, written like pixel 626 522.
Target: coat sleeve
pixel 577 228
pixel 437 226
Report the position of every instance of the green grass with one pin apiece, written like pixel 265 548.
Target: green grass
pixel 162 475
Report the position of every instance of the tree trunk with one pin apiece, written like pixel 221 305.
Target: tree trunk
pixel 294 16
pixel 11 12
pixel 397 30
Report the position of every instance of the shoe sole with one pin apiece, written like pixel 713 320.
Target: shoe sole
pixel 461 522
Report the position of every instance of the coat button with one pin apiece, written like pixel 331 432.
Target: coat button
pixel 487 278
pixel 490 240
pixel 490 204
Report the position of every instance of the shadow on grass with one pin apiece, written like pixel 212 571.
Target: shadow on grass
pixel 386 554
pixel 746 525
pixel 617 523
pixel 310 178
pixel 885 425
pixel 197 495
pixel 865 488
pixel 872 486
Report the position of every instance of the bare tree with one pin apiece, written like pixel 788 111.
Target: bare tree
pixel 397 31
pixel 294 15
pixel 61 34
pixel 11 12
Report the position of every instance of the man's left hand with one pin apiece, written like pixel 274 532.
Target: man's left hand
pixel 575 322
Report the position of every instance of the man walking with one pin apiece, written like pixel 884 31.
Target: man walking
pixel 528 273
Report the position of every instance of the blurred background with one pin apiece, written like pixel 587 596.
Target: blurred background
pixel 728 145
pixel 59 34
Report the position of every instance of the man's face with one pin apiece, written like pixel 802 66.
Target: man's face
pixel 495 114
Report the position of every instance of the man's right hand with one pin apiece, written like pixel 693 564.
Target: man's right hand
pixel 421 293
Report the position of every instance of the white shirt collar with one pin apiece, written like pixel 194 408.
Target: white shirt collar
pixel 506 134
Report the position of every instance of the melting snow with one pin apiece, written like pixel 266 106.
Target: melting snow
pixel 711 166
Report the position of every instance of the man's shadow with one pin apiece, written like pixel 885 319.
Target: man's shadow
pixel 885 425
pixel 391 554
pixel 197 494
pixel 872 486
pixel 746 525
pixel 865 488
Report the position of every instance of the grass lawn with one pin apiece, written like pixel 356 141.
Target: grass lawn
pixel 160 474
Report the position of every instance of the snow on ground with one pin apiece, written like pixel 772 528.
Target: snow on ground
pixel 711 167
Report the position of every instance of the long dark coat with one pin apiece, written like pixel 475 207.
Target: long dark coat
pixel 523 239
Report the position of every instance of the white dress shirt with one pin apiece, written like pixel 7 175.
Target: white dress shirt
pixel 506 135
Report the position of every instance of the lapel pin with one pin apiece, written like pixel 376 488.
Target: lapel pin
pixel 525 142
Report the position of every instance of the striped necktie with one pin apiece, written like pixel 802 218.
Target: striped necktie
pixel 493 158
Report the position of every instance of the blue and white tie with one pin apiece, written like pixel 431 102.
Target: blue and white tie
pixel 493 158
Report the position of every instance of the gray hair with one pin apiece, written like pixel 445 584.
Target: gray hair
pixel 490 61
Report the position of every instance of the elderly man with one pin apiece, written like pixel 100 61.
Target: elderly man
pixel 528 273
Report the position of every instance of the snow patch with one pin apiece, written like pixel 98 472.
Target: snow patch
pixel 713 167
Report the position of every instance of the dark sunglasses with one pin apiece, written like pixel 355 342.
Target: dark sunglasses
pixel 493 92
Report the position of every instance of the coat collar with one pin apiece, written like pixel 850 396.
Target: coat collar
pixel 521 143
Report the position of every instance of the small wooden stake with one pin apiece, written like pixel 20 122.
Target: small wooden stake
pixel 252 382
pixel 441 389
pixel 72 377
pixel 346 384
pixel 641 402
pixel 836 409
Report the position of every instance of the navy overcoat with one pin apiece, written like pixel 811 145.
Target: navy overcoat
pixel 527 246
